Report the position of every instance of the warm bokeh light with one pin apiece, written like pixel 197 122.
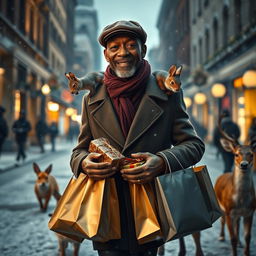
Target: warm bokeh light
pixel 45 89
pixel 241 112
pixel 200 98
pixel 188 102
pixel 249 79
pixel 218 90
pixel 52 106
pixel 78 118
pixel 70 111
pixel 74 117
pixel 2 71
pixel 17 104
pixel 241 100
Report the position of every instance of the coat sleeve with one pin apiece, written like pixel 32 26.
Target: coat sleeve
pixel 84 138
pixel 187 147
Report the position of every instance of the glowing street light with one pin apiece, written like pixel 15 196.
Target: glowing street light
pixel 45 89
pixel 218 90
pixel 200 98
pixel 249 79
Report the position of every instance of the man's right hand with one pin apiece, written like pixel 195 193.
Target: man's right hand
pixel 74 83
pixel 96 170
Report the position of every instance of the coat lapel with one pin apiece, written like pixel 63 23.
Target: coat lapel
pixel 147 114
pixel 105 116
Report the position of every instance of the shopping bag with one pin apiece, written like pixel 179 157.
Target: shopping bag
pixel 143 202
pixel 191 200
pixel 88 209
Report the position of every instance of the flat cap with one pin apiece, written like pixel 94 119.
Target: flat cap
pixel 123 27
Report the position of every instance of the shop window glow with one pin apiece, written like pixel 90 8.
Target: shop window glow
pixel 52 106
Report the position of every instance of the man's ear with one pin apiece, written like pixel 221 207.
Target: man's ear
pixel 143 50
pixel 105 54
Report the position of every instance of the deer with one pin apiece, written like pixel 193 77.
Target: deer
pixel 182 246
pixel 235 191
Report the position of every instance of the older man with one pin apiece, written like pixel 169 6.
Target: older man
pixel 139 119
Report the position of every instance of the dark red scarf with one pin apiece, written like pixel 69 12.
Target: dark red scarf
pixel 126 93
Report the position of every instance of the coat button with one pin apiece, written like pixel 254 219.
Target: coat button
pixel 155 134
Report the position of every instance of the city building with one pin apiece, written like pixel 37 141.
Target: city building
pixel 34 36
pixel 217 40
pixel 223 45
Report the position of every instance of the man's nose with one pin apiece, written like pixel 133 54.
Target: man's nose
pixel 123 51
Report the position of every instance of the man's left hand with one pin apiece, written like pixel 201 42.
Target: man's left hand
pixel 154 166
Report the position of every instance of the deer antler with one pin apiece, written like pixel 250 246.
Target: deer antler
pixel 225 135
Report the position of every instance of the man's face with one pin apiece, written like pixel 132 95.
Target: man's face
pixel 124 54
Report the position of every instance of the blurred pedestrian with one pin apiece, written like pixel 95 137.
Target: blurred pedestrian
pixel 53 133
pixel 200 129
pixel 73 131
pixel 21 128
pixel 251 135
pixel 233 130
pixel 41 131
pixel 3 128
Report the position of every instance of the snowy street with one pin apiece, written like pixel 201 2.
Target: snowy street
pixel 24 230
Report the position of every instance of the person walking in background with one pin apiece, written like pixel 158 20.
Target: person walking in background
pixel 41 131
pixel 21 128
pixel 3 128
pixel 232 129
pixel 252 134
pixel 53 133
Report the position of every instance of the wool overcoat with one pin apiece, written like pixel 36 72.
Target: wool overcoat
pixel 161 126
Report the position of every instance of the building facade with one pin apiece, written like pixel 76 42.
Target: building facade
pixel 223 44
pixel 33 41
pixel 220 39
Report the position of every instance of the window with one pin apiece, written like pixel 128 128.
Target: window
pixel 199 8
pixel 207 44
pixel 31 25
pixel 215 34
pixel 252 11
pixel 225 25
pixel 200 51
pixel 195 57
pixel 238 22
pixel 22 16
pixel 10 8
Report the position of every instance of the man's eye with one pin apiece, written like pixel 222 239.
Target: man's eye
pixel 114 47
pixel 131 45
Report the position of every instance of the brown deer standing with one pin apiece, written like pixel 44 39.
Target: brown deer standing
pixel 235 192
pixel 182 246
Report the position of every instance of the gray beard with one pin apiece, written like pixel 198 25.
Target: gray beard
pixel 125 74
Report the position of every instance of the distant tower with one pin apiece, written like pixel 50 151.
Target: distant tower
pixel 87 50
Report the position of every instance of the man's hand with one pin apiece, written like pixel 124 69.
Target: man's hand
pixel 153 167
pixel 74 83
pixel 95 170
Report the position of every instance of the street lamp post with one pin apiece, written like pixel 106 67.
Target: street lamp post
pixel 218 91
pixel 45 91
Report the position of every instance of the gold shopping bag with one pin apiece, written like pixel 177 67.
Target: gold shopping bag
pixel 144 205
pixel 88 209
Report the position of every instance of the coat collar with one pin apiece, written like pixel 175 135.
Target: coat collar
pixel 148 112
